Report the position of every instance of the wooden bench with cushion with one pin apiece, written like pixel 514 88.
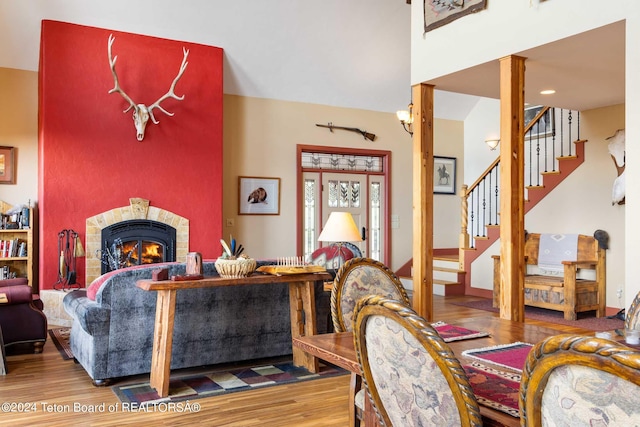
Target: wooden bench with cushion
pixel 567 291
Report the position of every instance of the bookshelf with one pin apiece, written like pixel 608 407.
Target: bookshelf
pixel 17 247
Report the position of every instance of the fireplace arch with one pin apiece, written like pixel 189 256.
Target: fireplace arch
pixel 138 209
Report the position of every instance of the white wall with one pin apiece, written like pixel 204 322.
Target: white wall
pixel 483 122
pixel 503 28
pixel 632 133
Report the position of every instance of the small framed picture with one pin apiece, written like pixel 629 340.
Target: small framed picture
pixel 546 126
pixel 7 165
pixel 444 175
pixel 258 196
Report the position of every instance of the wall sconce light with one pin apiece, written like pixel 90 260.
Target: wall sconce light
pixel 492 143
pixel 406 118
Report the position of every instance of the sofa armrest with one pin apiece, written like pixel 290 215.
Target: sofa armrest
pixel 14 282
pixel 16 294
pixel 93 317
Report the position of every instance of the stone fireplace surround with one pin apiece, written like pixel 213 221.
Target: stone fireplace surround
pixel 138 209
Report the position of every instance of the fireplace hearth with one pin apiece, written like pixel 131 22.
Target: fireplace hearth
pixel 140 242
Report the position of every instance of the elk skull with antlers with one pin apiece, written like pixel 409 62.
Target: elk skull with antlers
pixel 141 112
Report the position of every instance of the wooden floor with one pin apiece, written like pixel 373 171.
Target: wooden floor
pixel 47 390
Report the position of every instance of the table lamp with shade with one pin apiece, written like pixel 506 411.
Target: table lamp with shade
pixel 340 228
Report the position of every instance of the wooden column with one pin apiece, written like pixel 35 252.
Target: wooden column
pixel 422 95
pixel 512 188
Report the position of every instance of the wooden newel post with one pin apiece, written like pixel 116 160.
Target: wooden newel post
pixel 464 218
pixel 463 242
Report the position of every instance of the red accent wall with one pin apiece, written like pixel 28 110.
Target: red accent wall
pixel 89 158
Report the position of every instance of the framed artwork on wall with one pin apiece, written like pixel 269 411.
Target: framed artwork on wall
pixel 438 12
pixel 258 196
pixel 444 175
pixel 545 126
pixel 7 165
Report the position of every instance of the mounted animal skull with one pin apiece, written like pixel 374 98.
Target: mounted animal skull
pixel 141 112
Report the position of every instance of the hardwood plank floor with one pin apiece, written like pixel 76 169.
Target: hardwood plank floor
pixel 50 387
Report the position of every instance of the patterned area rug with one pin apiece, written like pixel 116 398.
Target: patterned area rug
pixel 215 383
pixel 456 333
pixel 511 355
pixel 495 389
pixel 585 320
pixel 60 337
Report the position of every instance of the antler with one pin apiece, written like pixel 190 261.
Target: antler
pixel 170 93
pixel 117 88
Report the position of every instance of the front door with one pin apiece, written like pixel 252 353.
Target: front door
pixel 353 181
pixel 346 192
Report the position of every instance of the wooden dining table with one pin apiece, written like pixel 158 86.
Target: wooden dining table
pixel 338 349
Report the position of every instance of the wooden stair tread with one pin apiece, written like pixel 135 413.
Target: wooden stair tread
pixel 444 282
pixel 450 258
pixel 447 270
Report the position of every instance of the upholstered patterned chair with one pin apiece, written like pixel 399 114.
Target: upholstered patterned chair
pixel 412 376
pixel 358 278
pixel 580 380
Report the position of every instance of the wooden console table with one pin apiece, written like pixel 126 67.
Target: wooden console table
pixel 301 301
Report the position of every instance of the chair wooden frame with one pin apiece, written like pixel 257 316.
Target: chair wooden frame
pixel 561 350
pixel 341 281
pixel 340 324
pixel 428 337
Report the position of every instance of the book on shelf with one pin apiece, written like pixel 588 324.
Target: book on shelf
pixel 13 248
pixel 6 273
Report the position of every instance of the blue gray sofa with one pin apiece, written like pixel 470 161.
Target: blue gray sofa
pixel 112 334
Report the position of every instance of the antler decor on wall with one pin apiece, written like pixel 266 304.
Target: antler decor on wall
pixel 141 112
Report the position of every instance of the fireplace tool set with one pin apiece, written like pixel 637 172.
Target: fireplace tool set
pixel 69 248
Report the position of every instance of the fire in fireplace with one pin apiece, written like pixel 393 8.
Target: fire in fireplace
pixel 142 242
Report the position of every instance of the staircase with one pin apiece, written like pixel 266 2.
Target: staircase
pixel 551 154
pixel 448 278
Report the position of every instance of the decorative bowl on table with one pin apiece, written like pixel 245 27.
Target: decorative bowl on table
pixel 230 268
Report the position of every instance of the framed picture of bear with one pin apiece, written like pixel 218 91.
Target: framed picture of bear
pixel 258 196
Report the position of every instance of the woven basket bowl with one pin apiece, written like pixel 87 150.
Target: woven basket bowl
pixel 232 268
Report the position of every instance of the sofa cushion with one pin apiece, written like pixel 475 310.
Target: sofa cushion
pixel 14 282
pixel 19 293
pixel 97 283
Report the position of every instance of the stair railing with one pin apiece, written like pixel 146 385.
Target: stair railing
pixel 545 144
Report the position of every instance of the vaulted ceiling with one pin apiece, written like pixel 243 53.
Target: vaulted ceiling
pixel 353 54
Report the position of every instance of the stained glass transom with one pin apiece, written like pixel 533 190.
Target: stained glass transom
pixel 346 162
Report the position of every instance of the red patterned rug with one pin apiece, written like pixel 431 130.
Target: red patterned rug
pixel 60 338
pixel 456 333
pixel 511 356
pixel 495 389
